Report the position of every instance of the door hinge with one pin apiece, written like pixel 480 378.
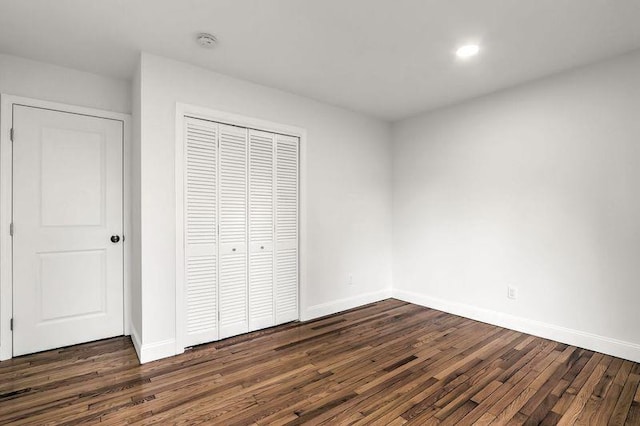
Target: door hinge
pixel 11 324
pixel 11 134
pixel 11 229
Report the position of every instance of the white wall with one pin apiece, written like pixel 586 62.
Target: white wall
pixel 348 190
pixel 535 187
pixel 24 77
pixel 135 239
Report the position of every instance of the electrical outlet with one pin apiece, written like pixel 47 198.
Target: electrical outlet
pixel 512 293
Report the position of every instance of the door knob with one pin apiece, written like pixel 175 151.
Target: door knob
pixel 115 238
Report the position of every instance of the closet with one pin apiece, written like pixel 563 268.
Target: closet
pixel 240 202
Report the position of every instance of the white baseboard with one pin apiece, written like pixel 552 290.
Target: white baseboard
pixel 135 339
pixel 340 305
pixel 594 342
pixel 157 350
pixel 152 351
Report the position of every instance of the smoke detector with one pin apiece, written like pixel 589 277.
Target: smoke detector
pixel 206 40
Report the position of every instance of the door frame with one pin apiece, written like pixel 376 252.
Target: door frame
pixel 233 119
pixel 6 207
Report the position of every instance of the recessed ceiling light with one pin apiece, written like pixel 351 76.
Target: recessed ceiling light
pixel 206 40
pixel 467 50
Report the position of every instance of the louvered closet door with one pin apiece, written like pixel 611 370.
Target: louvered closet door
pixel 286 256
pixel 261 214
pixel 233 231
pixel 201 139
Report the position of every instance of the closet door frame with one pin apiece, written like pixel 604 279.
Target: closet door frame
pixel 185 110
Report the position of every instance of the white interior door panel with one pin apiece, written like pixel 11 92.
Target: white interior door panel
pixel 232 285
pixel 67 204
pixel 261 230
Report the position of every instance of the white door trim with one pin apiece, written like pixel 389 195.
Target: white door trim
pixel 6 185
pixel 251 123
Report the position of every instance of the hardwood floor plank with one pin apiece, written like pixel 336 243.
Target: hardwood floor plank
pixel 633 417
pixel 579 401
pixel 625 400
pixel 609 401
pixel 543 400
pixel 386 363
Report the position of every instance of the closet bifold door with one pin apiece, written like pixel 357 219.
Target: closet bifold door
pixel 286 235
pixel 200 213
pixel 261 230
pixel 232 284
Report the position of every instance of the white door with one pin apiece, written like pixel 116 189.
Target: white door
pixel 68 224
pixel 201 231
pixel 286 228
pixel 232 290
pixel 261 294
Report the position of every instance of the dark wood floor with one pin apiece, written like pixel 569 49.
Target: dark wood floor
pixel 387 363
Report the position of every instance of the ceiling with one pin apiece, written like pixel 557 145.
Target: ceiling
pixel 387 58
